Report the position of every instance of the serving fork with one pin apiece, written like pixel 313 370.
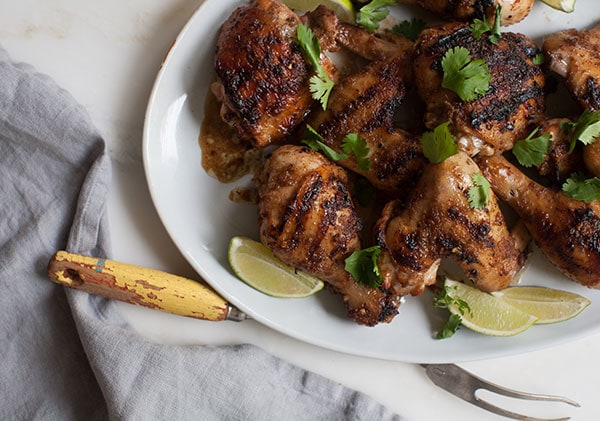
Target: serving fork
pixel 465 385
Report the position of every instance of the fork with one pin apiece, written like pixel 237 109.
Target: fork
pixel 463 384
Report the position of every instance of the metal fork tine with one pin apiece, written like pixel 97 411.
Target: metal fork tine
pixel 500 390
pixel 463 384
pixel 509 414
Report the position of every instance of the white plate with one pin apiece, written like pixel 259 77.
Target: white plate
pixel 200 219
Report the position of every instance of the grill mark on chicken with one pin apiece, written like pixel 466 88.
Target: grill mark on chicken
pixel 592 95
pixel 437 222
pixel 386 73
pixel 513 102
pixel 308 219
pixel 262 74
pixel 566 230
pixel 365 103
pixel 508 69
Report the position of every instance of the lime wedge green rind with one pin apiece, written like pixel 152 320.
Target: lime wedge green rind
pixel 548 305
pixel 488 315
pixel 256 265
pixel 566 6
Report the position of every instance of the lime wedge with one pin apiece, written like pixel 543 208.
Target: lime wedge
pixel 486 314
pixel 342 8
pixel 563 5
pixel 255 264
pixel 548 305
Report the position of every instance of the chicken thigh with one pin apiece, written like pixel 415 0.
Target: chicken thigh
pixel 263 76
pixel 438 222
pixel 506 112
pixel 566 230
pixel 308 219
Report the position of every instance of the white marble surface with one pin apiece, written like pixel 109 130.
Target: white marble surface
pixel 107 55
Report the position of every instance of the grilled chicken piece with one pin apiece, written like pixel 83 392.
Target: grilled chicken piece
pixel 308 219
pixel 365 103
pixel 513 11
pixel 566 230
pixel 438 222
pixel 372 47
pixel 575 55
pixel 263 76
pixel 513 103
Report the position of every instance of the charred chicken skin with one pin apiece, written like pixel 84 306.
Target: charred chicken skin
pixel 365 103
pixel 263 76
pixel 506 112
pixel 308 219
pixel 567 231
pixel 438 222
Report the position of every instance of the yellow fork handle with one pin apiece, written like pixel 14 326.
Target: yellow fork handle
pixel 142 286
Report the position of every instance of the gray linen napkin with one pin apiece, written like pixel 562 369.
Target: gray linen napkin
pixel 69 355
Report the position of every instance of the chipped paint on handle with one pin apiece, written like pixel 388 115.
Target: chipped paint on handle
pixel 137 285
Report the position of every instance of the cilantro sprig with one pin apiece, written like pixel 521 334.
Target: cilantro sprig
pixel 444 300
pixel 466 77
pixel 409 28
pixel 480 27
pixel 439 144
pixel 580 188
pixel 539 59
pixel 371 14
pixel 532 151
pixel 362 265
pixel 586 129
pixel 320 83
pixel 314 140
pixel 479 194
pixel 353 144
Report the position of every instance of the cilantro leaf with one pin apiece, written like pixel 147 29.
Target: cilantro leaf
pixel 466 77
pixel 442 300
pixel 479 194
pixel 320 83
pixel 409 28
pixel 450 327
pixel 439 144
pixel 371 14
pixel 539 59
pixel 355 144
pixel 480 27
pixel 579 188
pixel 314 140
pixel 586 129
pixel 362 265
pixel 532 150
pixel 320 88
